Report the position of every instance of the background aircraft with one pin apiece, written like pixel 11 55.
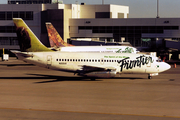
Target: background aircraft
pixel 57 43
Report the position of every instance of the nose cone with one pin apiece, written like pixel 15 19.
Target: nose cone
pixel 164 66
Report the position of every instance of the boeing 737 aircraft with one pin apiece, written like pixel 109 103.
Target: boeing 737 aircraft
pixel 92 65
pixel 57 43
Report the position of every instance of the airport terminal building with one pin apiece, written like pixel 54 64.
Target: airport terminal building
pixel 108 23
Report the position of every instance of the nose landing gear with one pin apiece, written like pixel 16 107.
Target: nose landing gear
pixel 149 76
pixel 153 74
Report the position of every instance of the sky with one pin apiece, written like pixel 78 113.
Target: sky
pixel 137 8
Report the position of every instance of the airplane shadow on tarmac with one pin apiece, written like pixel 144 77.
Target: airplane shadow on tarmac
pixel 58 78
pixel 66 78
pixel 79 78
pixel 12 65
pixel 62 78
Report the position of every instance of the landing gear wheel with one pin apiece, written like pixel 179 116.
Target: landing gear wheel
pixel 93 79
pixel 149 77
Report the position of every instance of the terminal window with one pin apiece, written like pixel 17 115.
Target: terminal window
pixel 29 1
pixel 128 30
pixel 7 29
pixel 2 15
pixel 130 33
pixel 103 15
pixel 25 15
pixel 8 41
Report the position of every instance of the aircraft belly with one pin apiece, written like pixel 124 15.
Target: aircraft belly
pixel 134 70
pixel 63 66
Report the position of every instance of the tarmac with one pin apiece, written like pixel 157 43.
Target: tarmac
pixel 29 92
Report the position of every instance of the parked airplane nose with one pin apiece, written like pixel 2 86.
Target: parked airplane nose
pixel 164 66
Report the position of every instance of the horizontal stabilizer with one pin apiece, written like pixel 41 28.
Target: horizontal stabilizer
pixel 21 54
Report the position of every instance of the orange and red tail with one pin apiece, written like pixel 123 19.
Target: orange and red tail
pixel 54 37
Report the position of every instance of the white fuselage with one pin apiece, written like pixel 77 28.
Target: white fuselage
pixel 115 49
pixel 116 63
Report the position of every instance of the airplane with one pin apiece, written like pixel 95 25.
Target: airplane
pixel 57 43
pixel 91 65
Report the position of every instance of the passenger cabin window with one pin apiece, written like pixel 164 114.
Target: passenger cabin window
pixel 96 60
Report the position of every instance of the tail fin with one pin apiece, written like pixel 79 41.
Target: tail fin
pixel 28 42
pixel 54 37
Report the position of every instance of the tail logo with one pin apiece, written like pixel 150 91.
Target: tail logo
pixel 28 42
pixel 23 37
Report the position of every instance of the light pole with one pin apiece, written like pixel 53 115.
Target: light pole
pixel 157 9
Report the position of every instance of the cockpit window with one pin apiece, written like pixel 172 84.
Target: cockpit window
pixel 158 60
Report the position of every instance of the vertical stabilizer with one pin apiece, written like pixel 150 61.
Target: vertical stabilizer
pixel 28 42
pixel 54 37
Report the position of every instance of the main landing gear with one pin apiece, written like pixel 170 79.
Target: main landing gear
pixel 149 76
pixel 152 74
pixel 93 79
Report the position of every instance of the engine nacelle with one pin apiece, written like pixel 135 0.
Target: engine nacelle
pixel 102 74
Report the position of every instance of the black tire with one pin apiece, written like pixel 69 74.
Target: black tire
pixel 93 79
pixel 149 77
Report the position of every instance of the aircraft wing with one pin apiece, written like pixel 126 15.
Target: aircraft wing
pixel 89 68
pixel 95 71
